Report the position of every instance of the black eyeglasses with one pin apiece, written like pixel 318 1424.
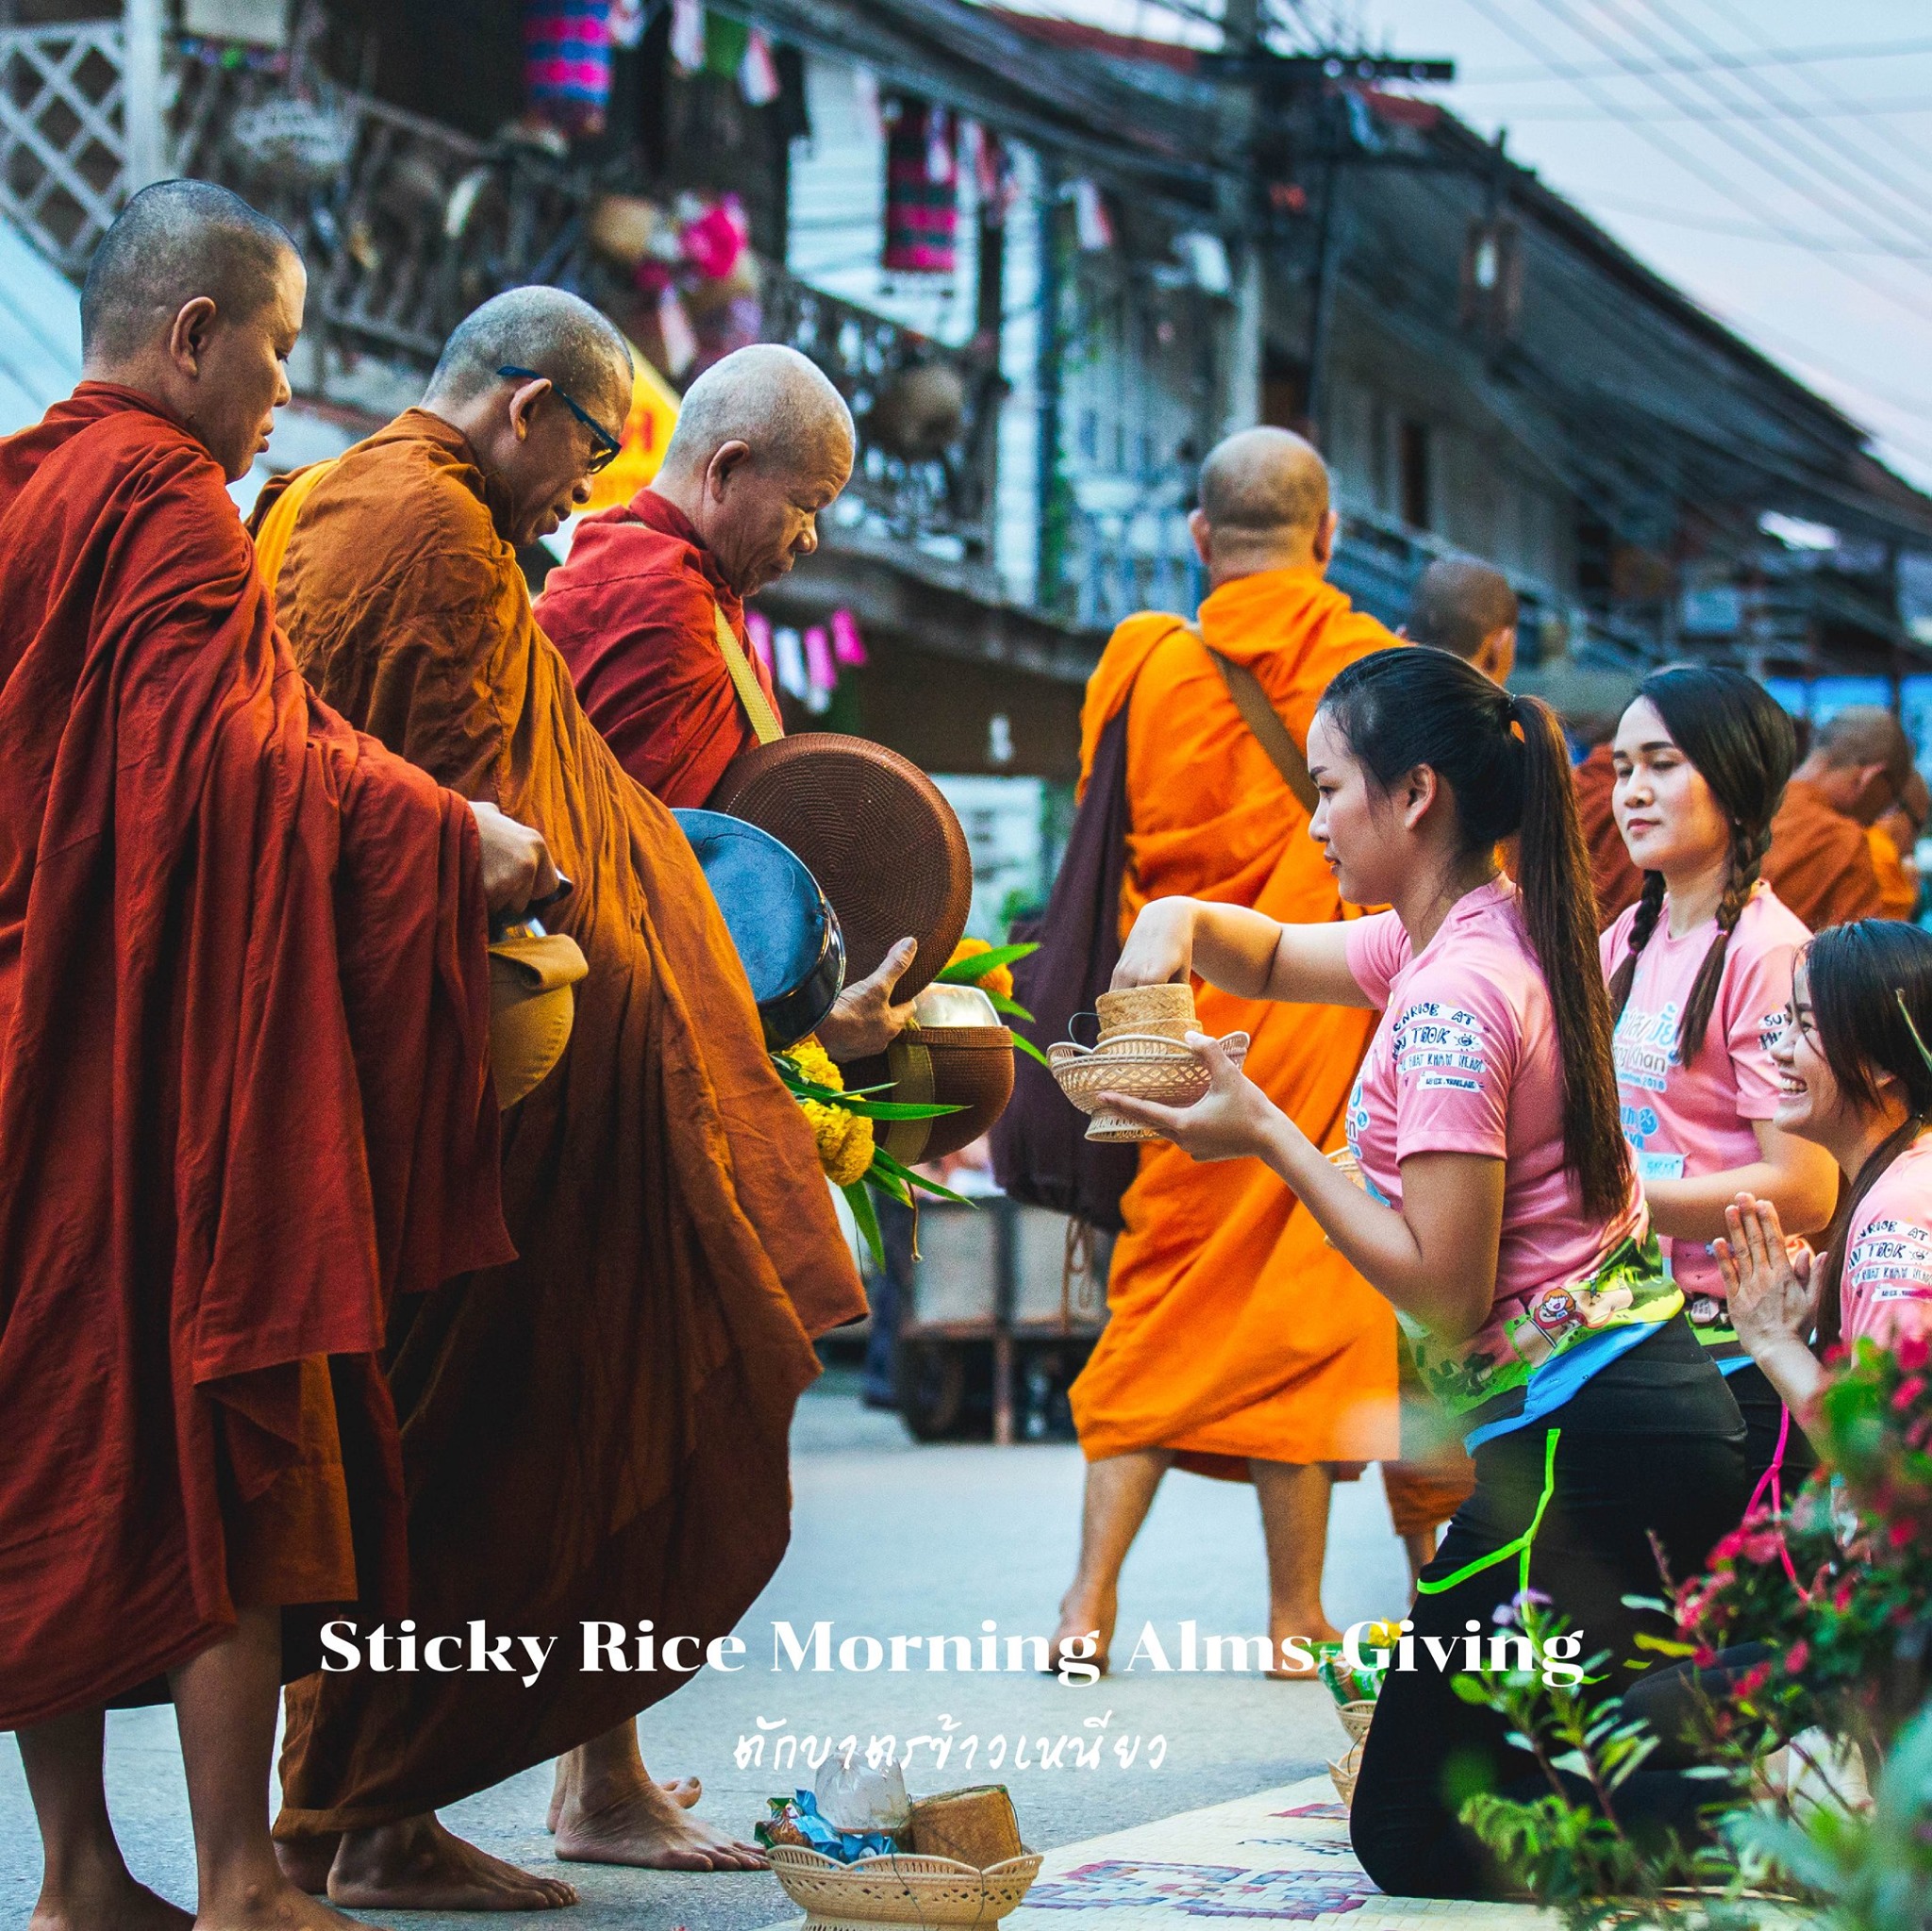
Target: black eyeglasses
pixel 605 446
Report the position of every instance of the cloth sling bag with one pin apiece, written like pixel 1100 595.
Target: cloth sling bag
pixel 1042 1156
pixel 745 680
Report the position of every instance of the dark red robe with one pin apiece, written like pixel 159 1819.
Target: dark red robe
pixel 634 612
pixel 243 1080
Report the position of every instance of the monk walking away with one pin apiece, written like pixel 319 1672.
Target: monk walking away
pixel 238 946
pixel 1820 863
pixel 1468 608
pixel 652 590
pixel 600 1430
pixel 1238 1345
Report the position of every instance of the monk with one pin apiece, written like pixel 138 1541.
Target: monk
pixel 1820 861
pixel 1894 840
pixel 1469 607
pixel 244 1096
pixel 599 1431
pixel 763 446
pixel 1240 1344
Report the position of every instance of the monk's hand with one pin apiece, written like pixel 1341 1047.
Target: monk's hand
pixel 863 1020
pixel 1233 1119
pixel 1772 1287
pixel 1160 948
pixel 516 862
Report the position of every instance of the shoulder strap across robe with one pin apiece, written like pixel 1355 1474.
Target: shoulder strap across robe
pixel 757 707
pixel 278 525
pixel 1261 717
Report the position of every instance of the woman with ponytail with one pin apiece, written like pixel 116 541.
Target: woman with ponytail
pixel 1500 1215
pixel 1700 975
pixel 1856 1081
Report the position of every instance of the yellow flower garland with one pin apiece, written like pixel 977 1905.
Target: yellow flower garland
pixel 999 980
pixel 844 1139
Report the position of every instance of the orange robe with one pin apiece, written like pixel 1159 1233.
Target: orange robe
pixel 243 1081
pixel 1819 862
pixel 1619 883
pixel 1898 892
pixel 598 1431
pixel 1236 1332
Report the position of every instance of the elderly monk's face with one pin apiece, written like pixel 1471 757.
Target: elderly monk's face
pixel 759 516
pixel 237 370
pixel 545 459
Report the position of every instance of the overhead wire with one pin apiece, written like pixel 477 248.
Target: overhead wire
pixel 1784 57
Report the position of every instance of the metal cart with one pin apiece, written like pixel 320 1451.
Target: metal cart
pixel 1002 1274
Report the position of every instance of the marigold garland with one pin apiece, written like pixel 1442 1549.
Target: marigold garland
pixel 844 1139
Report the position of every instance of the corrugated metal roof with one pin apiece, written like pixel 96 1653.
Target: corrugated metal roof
pixel 40 332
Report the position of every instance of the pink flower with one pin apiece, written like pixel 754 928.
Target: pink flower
pixel 1914 1354
pixel 1753 1680
pixel 1797 1656
pixel 1906 1395
pixel 1900 1534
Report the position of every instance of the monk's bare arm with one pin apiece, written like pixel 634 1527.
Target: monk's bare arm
pixel 1434 1257
pixel 1241 951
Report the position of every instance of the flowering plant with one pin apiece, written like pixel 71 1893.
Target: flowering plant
pixel 841 1123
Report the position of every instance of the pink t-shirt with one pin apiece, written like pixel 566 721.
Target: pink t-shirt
pixel 1887 1286
pixel 1683 1122
pixel 1465 1060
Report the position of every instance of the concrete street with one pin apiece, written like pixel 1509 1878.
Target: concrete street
pixel 892 1538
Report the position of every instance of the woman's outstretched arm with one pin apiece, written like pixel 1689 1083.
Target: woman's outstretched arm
pixel 1434 1257
pixel 1242 952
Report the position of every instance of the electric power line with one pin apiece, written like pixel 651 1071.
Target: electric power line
pixel 1784 57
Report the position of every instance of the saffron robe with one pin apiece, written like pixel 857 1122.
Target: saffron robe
pixel 244 1077
pixel 599 1430
pixel 1235 1331
pixel 1618 882
pixel 635 612
pixel 1819 862
pixel 1898 891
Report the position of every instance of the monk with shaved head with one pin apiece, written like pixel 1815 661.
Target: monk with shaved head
pixel 1820 863
pixel 245 1098
pixel 649 609
pixel 596 1433
pixel 1240 1344
pixel 1468 608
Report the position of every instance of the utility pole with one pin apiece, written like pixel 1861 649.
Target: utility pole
pixel 141 90
pixel 1245 335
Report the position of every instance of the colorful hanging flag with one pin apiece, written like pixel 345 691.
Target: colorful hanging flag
pixel 793 678
pixel 922 190
pixel 626 23
pixel 757 627
pixel 674 326
pixel 848 647
pixel 1091 222
pixel 865 103
pixel 758 72
pixel 822 675
pixel 688 34
pixel 567 63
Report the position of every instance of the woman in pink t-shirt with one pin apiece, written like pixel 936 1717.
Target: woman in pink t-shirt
pixel 1856 1081
pixel 1500 1215
pixel 1700 973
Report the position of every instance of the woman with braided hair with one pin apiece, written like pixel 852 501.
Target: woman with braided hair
pixel 1700 978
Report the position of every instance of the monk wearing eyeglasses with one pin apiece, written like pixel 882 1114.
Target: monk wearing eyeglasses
pixel 599 1430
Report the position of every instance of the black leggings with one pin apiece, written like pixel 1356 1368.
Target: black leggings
pixel 1763 1411
pixel 1654 1444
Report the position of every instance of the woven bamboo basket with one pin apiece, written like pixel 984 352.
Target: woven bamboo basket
pixel 1345 1771
pixel 1165 1010
pixel 1142 1065
pixel 1356 1718
pixel 904 1888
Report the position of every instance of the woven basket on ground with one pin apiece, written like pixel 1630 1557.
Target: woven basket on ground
pixel 1144 1066
pixel 904 1888
pixel 874 831
pixel 1345 1771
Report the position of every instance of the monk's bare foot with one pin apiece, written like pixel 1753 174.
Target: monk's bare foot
pixel 266 1901
pixel 683 1791
pixel 1312 1628
pixel 617 1820
pixel 305 1860
pixel 419 1866
pixel 105 1901
pixel 1084 1612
